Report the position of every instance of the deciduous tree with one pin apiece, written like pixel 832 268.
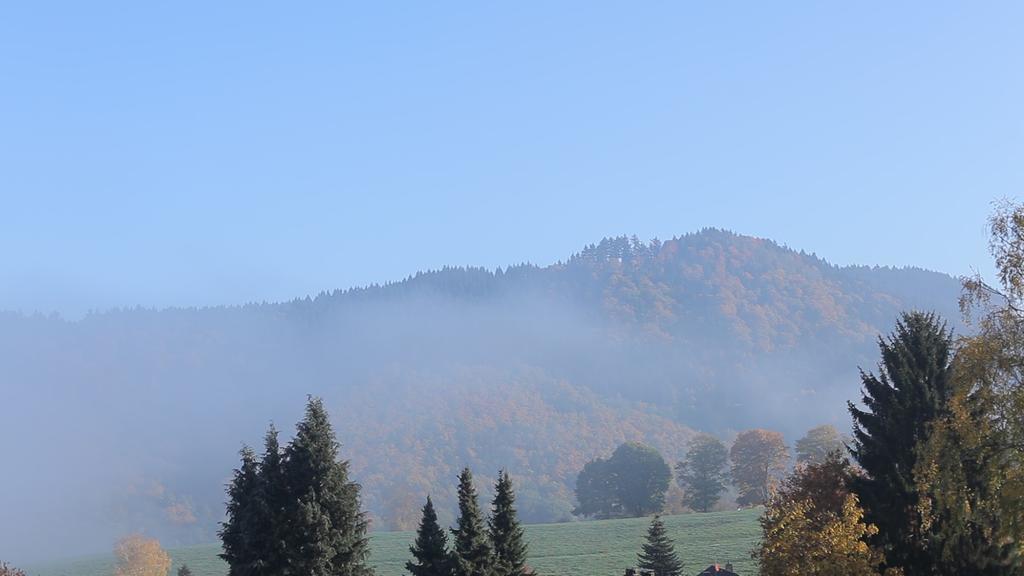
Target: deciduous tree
pixel 703 473
pixel 818 443
pixel 759 458
pixel 140 556
pixel 632 482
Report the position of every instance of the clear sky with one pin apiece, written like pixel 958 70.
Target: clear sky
pixel 193 153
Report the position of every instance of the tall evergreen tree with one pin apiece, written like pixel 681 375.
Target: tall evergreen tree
pixel 659 554
pixel 472 553
pixel 184 570
pixel 240 531
pixel 507 539
pixel 326 529
pixel 430 551
pixel 911 390
pixel 274 495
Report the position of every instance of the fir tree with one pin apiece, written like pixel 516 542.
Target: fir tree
pixel 911 391
pixel 326 529
pixel 184 570
pixel 659 554
pixel 472 553
pixel 239 532
pixel 274 494
pixel 430 551
pixel 508 545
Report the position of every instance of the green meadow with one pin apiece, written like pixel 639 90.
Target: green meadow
pixel 597 548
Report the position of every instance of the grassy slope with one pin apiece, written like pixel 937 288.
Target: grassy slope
pixel 601 548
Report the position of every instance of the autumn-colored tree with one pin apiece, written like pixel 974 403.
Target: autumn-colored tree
pixel 759 458
pixel 818 443
pixel 703 473
pixel 8 570
pixel 814 526
pixel 140 556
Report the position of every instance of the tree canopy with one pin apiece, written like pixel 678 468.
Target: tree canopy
pixel 759 458
pixel 632 482
pixel 703 473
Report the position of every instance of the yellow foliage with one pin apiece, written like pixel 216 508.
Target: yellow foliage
pixel 140 556
pixel 800 540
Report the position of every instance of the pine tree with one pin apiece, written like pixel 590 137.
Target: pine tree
pixel 326 529
pixel 184 570
pixel 472 553
pixel 508 545
pixel 430 551
pixel 274 494
pixel 237 532
pixel 659 554
pixel 911 391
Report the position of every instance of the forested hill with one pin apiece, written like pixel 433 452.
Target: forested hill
pixel 537 369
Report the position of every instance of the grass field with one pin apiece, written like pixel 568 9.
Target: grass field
pixel 599 548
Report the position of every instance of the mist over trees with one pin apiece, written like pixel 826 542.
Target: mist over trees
pixel 540 369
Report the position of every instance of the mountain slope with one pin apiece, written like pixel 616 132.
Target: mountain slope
pixel 131 419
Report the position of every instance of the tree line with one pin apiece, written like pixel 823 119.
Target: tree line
pixel 634 480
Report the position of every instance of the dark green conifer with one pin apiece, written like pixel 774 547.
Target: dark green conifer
pixel 430 551
pixel 659 554
pixel 240 531
pixel 507 542
pixel 326 529
pixel 911 390
pixel 472 553
pixel 274 493
pixel 184 570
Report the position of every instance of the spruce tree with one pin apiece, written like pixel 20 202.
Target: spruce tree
pixel 472 553
pixel 326 529
pixel 430 551
pixel 507 542
pixel 659 554
pixel 239 533
pixel 184 570
pixel 911 390
pixel 274 494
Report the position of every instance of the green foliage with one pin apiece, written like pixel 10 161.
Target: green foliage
pixel 184 570
pixel 295 512
pixel 632 482
pixel 472 552
pixel 819 442
pixel 430 551
pixel 659 553
pixel 507 543
pixel 326 529
pixel 759 457
pixel 911 391
pixel 703 473
pixel 243 525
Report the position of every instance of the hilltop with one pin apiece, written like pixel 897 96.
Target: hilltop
pixel 534 368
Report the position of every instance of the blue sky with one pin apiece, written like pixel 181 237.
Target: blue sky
pixel 214 153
